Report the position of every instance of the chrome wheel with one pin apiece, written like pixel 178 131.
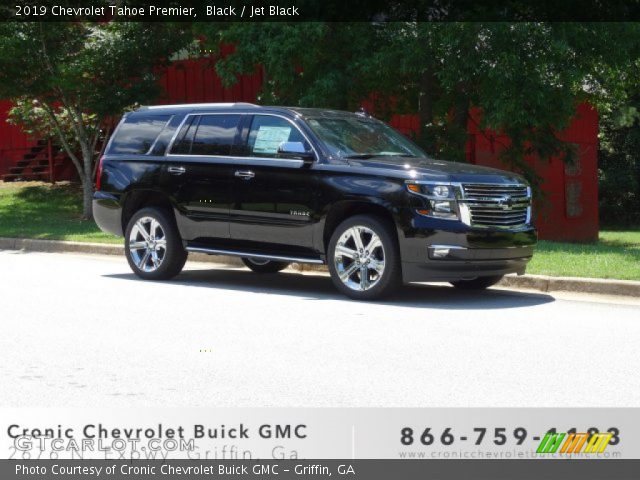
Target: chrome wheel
pixel 147 244
pixel 359 258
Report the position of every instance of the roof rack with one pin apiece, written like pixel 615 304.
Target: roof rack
pixel 203 105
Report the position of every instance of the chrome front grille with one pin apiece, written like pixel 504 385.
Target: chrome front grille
pixel 496 205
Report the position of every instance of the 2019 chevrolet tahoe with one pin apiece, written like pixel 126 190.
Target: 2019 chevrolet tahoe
pixel 276 185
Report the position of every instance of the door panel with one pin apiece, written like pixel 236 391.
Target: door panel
pixel 274 197
pixel 203 196
pixel 275 206
pixel 199 175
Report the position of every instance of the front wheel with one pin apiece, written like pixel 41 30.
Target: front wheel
pixel 261 265
pixel 153 246
pixel 363 258
pixel 478 283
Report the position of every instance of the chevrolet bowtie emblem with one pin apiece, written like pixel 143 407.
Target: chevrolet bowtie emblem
pixel 505 202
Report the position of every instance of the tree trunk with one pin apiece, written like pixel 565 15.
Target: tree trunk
pixel 84 169
pixel 87 182
pixel 87 197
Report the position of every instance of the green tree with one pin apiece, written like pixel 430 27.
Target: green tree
pixel 525 77
pixel 619 165
pixel 67 78
pixel 305 64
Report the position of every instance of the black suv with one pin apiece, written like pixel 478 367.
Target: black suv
pixel 277 185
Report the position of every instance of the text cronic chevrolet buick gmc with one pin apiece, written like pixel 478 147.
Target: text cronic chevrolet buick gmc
pixel 276 185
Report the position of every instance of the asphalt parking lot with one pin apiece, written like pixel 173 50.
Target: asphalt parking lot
pixel 80 330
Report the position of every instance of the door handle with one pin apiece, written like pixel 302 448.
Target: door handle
pixel 176 170
pixel 245 174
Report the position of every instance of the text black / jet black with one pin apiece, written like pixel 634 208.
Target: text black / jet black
pixel 277 185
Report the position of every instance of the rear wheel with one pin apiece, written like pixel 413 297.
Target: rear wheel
pixel 478 283
pixel 263 265
pixel 363 258
pixel 153 246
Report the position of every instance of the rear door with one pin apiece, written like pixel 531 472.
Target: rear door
pixel 273 201
pixel 199 174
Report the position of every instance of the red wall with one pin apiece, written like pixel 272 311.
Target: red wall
pixel 192 81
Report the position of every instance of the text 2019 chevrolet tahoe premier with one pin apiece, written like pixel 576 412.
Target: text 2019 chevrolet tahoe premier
pixel 277 185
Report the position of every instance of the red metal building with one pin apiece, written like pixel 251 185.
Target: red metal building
pixel 570 212
pixel 14 143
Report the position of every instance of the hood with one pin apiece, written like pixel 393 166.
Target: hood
pixel 437 170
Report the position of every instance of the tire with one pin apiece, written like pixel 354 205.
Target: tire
pixel 165 254
pixel 479 283
pixel 347 259
pixel 260 265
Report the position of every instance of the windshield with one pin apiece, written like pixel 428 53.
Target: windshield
pixel 354 137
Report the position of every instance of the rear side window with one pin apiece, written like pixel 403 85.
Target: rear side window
pixel 137 133
pixel 215 135
pixel 207 135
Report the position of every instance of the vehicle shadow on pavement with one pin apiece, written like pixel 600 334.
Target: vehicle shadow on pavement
pixel 320 287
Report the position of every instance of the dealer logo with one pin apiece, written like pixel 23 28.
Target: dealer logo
pixel 574 442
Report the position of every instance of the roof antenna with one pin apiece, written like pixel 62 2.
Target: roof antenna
pixel 363 112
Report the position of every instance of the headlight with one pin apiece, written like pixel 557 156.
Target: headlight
pixel 441 191
pixel 439 199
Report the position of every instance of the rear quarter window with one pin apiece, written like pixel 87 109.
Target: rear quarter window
pixel 136 134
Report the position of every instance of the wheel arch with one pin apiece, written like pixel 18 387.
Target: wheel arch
pixel 138 199
pixel 340 211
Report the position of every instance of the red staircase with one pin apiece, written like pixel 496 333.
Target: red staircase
pixel 42 161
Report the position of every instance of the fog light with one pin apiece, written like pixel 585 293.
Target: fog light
pixel 441 206
pixel 440 252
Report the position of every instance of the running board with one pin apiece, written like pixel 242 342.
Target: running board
pixel 266 256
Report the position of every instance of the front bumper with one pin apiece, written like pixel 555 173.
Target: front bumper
pixel 462 252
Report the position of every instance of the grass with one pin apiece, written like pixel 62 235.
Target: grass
pixel 39 210
pixel 615 255
pixel 52 212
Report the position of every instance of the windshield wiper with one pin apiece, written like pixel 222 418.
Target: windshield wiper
pixel 365 156
pixel 361 155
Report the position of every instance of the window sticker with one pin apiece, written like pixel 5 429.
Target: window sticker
pixel 268 139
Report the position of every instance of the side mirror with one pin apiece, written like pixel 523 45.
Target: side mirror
pixel 295 150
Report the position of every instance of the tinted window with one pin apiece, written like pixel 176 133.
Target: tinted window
pixel 215 134
pixel 268 132
pixel 137 133
pixel 163 140
pixel 182 144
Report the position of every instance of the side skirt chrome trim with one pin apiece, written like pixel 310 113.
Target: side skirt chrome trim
pixel 238 253
pixel 458 247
